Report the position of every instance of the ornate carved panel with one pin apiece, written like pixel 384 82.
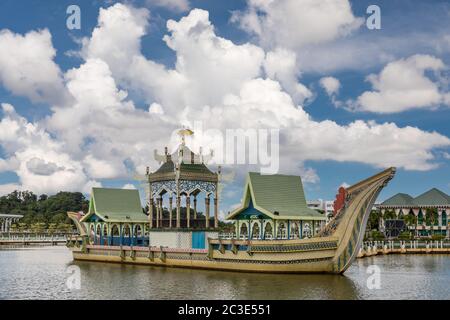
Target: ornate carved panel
pixel 189 186
pixel 158 187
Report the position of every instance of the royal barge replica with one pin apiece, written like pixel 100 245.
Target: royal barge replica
pixel 274 232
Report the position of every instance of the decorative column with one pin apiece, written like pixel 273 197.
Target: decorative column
pixel 157 212
pixel 170 211
pixel 301 229
pixel 216 202
pixel 151 211
pixel 150 199
pixel 216 212
pixel 177 183
pixel 101 234
pixel 161 212
pixel 289 229
pixel 178 211
pixel 262 234
pixel 121 234
pixel 188 210
pixel 207 210
pixel 195 207
pixel 275 229
pixel 439 218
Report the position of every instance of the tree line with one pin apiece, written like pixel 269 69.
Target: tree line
pixel 43 212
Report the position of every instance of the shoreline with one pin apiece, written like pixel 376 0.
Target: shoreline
pixel 403 247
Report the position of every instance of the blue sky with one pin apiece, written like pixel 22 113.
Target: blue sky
pixel 65 137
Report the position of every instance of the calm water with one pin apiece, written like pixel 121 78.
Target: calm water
pixel 40 273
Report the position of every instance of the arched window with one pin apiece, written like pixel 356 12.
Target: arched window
pixel 268 231
pixel 306 230
pixel 295 230
pixel 244 231
pixel 98 234
pixel 92 233
pixel 126 238
pixel 137 239
pixel 444 218
pixel 115 235
pixel 255 231
pixel 281 230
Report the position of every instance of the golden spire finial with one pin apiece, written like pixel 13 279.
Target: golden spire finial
pixel 185 132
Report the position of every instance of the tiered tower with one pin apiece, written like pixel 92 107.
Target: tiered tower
pixel 182 177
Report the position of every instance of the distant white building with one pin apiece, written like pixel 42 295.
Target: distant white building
pixel 324 205
pixel 327 206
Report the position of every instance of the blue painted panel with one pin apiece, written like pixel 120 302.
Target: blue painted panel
pixel 198 240
pixel 250 211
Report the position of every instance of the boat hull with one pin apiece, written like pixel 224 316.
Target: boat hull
pixel 276 256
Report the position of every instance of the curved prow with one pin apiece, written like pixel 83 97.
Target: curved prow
pixel 75 217
pixel 352 210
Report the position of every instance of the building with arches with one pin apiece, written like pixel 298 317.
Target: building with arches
pixel 424 215
pixel 183 178
pixel 274 207
pixel 116 218
pixel 6 220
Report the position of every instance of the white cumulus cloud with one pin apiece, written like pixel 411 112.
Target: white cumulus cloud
pixel 175 5
pixel 403 85
pixel 27 67
pixel 330 84
pixel 296 23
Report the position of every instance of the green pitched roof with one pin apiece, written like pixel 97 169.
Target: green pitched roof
pixel 195 168
pixel 272 194
pixel 166 167
pixel 116 205
pixel 400 199
pixel 432 197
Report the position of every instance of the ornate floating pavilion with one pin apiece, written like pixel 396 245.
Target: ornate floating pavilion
pixel 428 212
pixel 182 175
pixel 116 218
pixel 274 207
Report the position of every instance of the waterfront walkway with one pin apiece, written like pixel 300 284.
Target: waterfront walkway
pixel 372 248
pixel 32 239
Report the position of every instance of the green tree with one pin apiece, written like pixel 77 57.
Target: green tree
pixel 40 212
